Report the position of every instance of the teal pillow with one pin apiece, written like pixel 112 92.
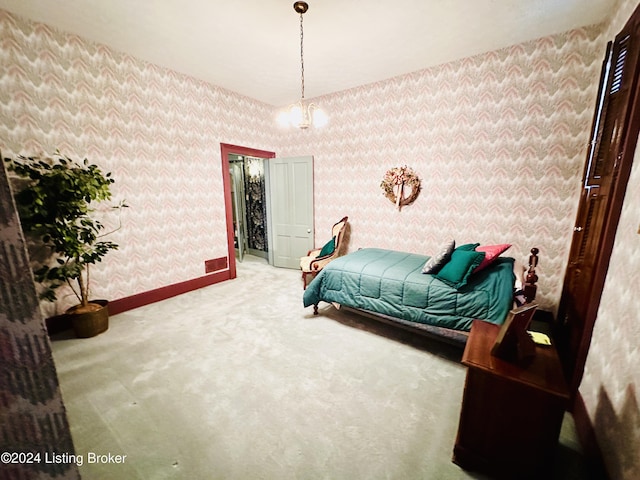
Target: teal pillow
pixel 456 272
pixel 468 246
pixel 329 248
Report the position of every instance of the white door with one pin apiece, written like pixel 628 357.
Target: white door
pixel 291 192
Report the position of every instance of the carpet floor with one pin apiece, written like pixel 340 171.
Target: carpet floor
pixel 239 381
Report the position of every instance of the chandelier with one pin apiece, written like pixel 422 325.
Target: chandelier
pixel 302 114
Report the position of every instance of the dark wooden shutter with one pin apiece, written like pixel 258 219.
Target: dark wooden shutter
pixel 614 136
pixel 591 176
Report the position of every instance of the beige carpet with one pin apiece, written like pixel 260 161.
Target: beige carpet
pixel 238 381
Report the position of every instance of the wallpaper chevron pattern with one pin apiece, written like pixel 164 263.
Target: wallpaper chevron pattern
pixel 611 379
pixel 157 131
pixel 498 139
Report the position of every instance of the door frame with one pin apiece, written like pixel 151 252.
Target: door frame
pixel 225 150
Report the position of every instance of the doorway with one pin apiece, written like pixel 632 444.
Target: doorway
pixel 289 229
pixel 228 152
pixel 249 181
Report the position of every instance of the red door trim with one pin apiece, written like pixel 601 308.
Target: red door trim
pixel 225 150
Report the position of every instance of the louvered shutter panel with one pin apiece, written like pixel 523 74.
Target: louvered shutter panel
pixel 607 132
pixel 610 156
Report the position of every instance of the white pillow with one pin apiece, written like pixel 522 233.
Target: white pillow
pixel 436 262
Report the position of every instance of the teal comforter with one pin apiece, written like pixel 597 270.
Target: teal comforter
pixel 392 283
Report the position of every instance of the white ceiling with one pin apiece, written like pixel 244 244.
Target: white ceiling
pixel 253 47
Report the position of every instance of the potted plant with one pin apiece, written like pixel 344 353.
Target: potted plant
pixel 55 198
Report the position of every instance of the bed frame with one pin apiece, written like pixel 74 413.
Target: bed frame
pixel 448 335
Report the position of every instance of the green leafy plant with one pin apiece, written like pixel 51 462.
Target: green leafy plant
pixel 55 201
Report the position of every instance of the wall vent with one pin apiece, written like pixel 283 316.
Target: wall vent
pixel 215 264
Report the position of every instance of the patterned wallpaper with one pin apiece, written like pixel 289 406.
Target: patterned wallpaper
pixel 612 377
pixel 498 140
pixel 157 131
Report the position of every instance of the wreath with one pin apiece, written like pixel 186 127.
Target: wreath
pixel 401 185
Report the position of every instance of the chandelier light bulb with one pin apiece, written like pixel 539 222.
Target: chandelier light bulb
pixel 320 119
pixel 296 115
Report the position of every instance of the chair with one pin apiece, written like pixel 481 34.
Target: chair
pixel 316 259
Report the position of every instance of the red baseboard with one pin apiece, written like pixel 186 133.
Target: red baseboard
pixel 152 296
pixel 587 437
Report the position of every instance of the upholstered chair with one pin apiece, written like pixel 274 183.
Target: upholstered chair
pixel 317 258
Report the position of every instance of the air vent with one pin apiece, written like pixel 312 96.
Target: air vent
pixel 215 264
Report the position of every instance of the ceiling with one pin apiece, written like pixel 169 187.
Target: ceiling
pixel 253 46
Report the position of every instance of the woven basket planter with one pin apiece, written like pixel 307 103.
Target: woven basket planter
pixel 91 323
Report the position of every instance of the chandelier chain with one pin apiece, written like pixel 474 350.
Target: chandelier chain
pixel 300 114
pixel 301 57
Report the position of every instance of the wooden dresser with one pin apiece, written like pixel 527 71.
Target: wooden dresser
pixel 511 414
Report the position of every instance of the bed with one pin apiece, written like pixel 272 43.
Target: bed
pixel 390 286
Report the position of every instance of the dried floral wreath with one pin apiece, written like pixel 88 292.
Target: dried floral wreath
pixel 401 185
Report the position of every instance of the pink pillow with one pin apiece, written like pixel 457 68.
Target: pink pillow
pixel 491 253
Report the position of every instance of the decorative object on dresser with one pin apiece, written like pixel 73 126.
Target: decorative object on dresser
pixel 513 342
pixel 56 200
pixel 511 414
